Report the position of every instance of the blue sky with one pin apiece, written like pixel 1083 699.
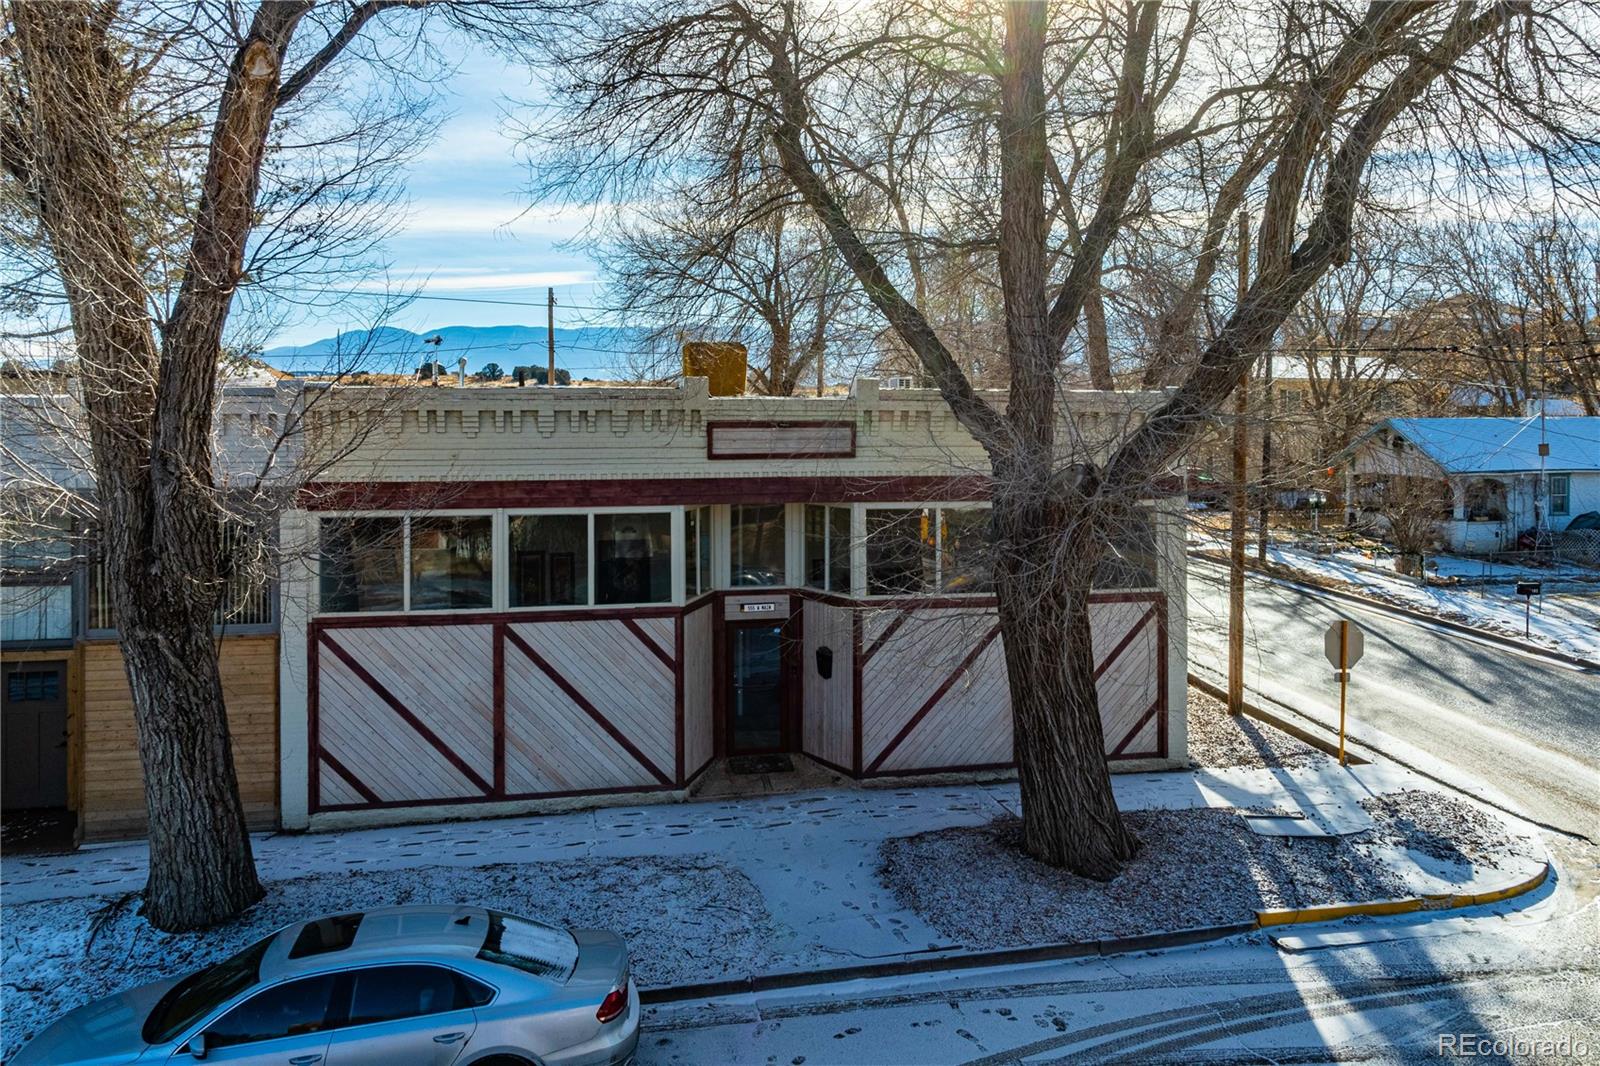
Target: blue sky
pixel 470 233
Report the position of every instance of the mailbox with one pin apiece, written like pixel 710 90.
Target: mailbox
pixel 1529 588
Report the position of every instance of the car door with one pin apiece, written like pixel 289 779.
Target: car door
pixel 282 1025
pixel 415 1013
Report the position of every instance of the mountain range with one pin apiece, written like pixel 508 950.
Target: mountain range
pixel 585 352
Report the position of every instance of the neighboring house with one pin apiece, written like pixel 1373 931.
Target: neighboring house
pixel 515 599
pixel 1493 469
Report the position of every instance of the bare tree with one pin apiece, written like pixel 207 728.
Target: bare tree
pixel 171 163
pixel 749 266
pixel 1286 106
pixel 1412 508
pixel 1523 313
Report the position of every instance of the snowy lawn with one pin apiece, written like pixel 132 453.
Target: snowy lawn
pixel 685 919
pixel 1567 618
pixel 1194 868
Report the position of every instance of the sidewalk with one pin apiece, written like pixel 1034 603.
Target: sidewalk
pixel 703 891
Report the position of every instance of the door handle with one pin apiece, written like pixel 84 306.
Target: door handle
pixel 448 1038
pixel 305 1060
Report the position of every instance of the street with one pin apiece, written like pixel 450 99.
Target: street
pixel 1386 993
pixel 1379 990
pixel 1524 723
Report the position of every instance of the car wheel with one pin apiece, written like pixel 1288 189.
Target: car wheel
pixel 505 1060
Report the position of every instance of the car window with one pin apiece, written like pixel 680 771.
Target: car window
pixel 543 950
pixel 386 993
pixel 204 991
pixel 289 1009
pixel 326 934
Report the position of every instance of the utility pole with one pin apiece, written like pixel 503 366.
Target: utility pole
pixel 1241 442
pixel 821 360
pixel 550 335
pixel 1268 406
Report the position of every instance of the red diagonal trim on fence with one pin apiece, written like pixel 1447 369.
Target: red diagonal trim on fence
pixel 883 638
pixel 583 704
pixel 938 694
pixel 405 712
pixel 349 778
pixel 1127 638
pixel 648 641
pixel 1144 719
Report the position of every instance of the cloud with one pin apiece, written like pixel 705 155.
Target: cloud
pixel 454 218
pixel 456 279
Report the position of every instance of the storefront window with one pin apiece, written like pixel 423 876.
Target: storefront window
pixel 827 548
pixel 633 558
pixel 839 550
pixel 900 551
pixel 1130 558
pixel 816 542
pixel 758 557
pixel 964 550
pixel 549 560
pixel 361 566
pixel 452 563
pixel 697 550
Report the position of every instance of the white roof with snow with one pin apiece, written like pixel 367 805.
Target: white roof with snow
pixel 1501 445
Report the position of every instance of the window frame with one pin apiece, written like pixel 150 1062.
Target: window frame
pixel 545 512
pixel 790 532
pixel 500 534
pixel 828 546
pixel 1565 494
pixel 938 549
pixel 70 574
pixel 261 989
pixel 344 992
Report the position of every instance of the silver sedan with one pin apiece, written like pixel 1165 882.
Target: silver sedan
pixel 427 986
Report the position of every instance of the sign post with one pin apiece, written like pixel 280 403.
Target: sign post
pixel 1343 645
pixel 1528 590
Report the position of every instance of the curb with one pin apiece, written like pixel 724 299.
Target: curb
pixel 1278 722
pixel 955 960
pixel 1406 612
pixel 963 960
pixel 1438 901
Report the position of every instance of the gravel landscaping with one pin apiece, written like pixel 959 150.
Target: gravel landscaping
pixel 1196 867
pixel 685 919
pixel 1442 827
pixel 1219 739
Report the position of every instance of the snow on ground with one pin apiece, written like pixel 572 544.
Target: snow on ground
pixel 1566 618
pixel 685 919
pixel 740 886
pixel 1194 868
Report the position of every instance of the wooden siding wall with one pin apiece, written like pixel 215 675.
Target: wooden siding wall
pixel 828 721
pixel 699 686
pixel 411 711
pixel 111 793
pixel 934 693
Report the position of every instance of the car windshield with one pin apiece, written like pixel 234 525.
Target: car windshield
pixel 202 992
pixel 542 950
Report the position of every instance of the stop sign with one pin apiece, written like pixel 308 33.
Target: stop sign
pixel 1350 634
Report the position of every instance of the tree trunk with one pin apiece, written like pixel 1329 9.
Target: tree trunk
pixel 153 482
pixel 1070 816
pixel 202 869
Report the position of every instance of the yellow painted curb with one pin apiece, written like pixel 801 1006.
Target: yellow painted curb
pixel 1441 901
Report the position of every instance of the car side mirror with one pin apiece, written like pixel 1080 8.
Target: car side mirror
pixel 197 1045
